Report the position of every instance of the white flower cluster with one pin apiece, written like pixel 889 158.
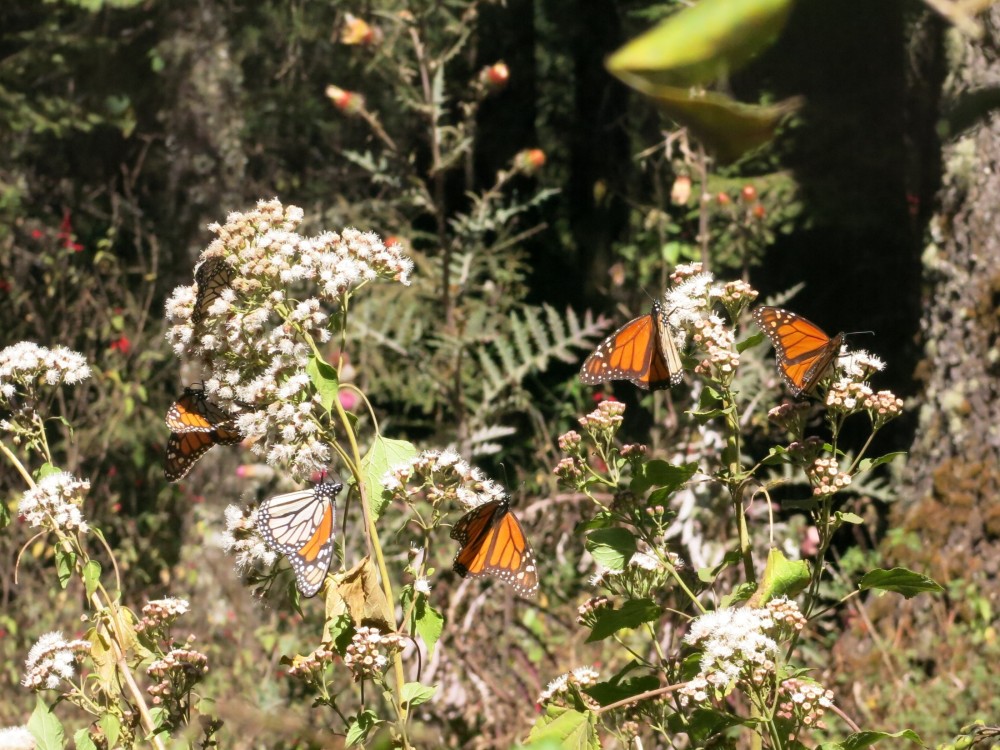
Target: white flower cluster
pixel 25 365
pixel 50 660
pixel 54 503
pixel 161 613
pixel 256 312
pixel 580 677
pixel 242 540
pixel 367 655
pixel 735 646
pixel 16 738
pixel 442 475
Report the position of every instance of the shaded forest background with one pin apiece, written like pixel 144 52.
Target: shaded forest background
pixel 126 128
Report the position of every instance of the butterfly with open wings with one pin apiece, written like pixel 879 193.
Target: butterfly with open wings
pixel 804 353
pixel 300 525
pixel 642 351
pixel 493 544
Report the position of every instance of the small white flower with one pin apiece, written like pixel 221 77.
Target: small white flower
pixel 51 660
pixel 54 503
pixel 16 738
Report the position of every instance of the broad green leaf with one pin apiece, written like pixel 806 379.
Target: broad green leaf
pixel 853 518
pixel 104 661
pixel 429 624
pixel 632 614
pixel 45 470
pixel 324 378
pixel 382 456
pixel 704 723
pixel 65 561
pixel 606 693
pixel 725 126
pixel 602 520
pixel 82 741
pixel 782 577
pixel 899 580
pixel 750 341
pixel 359 726
pixel 860 740
pixel 657 473
pixel 612 548
pixel 45 727
pixel 707 575
pixel 112 728
pixel 414 694
pixel 572 729
pixel 91 576
pixel 867 464
pixel 700 43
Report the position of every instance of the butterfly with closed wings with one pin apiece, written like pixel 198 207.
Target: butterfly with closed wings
pixel 642 351
pixel 493 544
pixel 211 278
pixel 803 351
pixel 196 425
pixel 300 525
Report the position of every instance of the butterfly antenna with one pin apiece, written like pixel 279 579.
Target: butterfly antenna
pixel 859 333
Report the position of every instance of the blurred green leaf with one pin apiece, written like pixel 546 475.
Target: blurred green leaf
pixel 860 740
pixel 82 741
pixel 45 727
pixel 782 577
pixel 91 576
pixel 359 726
pixel 606 693
pixel 572 729
pixel 867 464
pixel 324 378
pixel 699 44
pixel 383 454
pixel 632 614
pixel 65 560
pixel 414 694
pixel 657 473
pixel 899 580
pixel 612 548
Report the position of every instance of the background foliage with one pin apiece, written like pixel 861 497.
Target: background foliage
pixel 126 127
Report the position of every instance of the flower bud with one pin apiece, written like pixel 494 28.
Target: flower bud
pixel 495 76
pixel 349 102
pixel 681 191
pixel 529 161
pixel 723 199
pixel 748 194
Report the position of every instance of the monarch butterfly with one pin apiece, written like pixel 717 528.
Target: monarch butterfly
pixel 642 351
pixel 300 526
pixel 493 543
pixel 196 425
pixel 803 352
pixel 212 277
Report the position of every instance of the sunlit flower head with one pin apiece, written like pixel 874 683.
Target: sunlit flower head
pixel 54 503
pixel 441 476
pixel 51 660
pixel 25 367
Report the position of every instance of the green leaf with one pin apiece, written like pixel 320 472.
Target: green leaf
pixel 383 454
pixel 91 576
pixel 749 342
pixel 429 623
pixel 65 560
pixel 867 464
pixel 359 726
pixel 612 548
pixel 45 470
pixel 572 729
pixel 112 728
pixel 853 518
pixel 704 723
pixel 414 694
pixel 5 516
pixel 700 43
pixel 782 577
pixel 657 473
pixel 45 727
pixel 324 378
pixel 602 520
pixel 606 693
pixel 81 738
pixel 900 580
pixel 707 575
pixel 632 614
pixel 860 740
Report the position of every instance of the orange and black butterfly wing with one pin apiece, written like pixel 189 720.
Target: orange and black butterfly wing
pixel 211 278
pixel 300 525
pixel 193 412
pixel 803 351
pixel 494 544
pixel 641 351
pixel 183 451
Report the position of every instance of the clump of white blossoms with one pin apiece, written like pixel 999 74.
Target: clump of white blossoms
pixel 51 660
pixel 264 304
pixel 25 367
pixel 441 476
pixel 16 738
pixel 574 681
pixel 54 503
pixel 242 540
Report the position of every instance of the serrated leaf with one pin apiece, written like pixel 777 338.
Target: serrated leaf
pixel 414 693
pixel 899 580
pixel 429 624
pixel 572 729
pixel 45 727
pixel 612 548
pixel 782 577
pixel 657 473
pixel 324 378
pixel 632 614
pixel 860 740
pixel 359 726
pixel 112 728
pixel 383 454
pixel 91 576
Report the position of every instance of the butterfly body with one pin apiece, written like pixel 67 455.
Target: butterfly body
pixel 211 278
pixel 803 351
pixel 300 525
pixel 493 544
pixel 642 351
pixel 196 425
